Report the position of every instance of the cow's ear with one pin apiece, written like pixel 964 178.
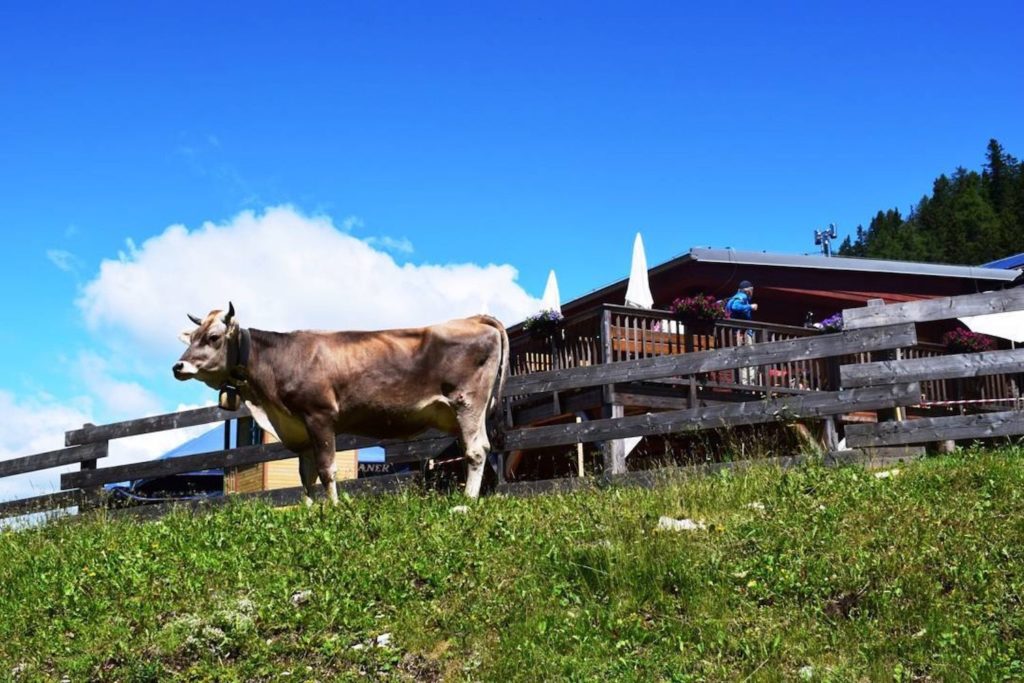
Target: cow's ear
pixel 185 337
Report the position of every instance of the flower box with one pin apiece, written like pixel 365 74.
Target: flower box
pixel 544 324
pixel 962 340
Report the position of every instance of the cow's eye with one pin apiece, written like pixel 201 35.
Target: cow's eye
pixel 214 338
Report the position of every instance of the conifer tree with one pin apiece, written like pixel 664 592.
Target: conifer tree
pixel 969 218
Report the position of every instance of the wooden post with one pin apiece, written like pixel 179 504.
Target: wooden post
pixel 92 496
pixel 895 414
pixel 579 453
pixel 888 414
pixel 496 459
pixel 243 438
pixel 831 436
pixel 608 391
pixel 833 383
pixel 613 451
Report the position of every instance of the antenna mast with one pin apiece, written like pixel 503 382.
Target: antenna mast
pixel 824 238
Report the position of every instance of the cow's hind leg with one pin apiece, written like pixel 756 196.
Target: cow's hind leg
pixel 307 473
pixel 473 426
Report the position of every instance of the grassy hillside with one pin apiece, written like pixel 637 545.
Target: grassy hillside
pixel 813 574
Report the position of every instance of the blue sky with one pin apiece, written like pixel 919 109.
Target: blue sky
pixel 532 135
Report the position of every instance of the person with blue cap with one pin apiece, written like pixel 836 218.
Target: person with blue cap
pixel 741 306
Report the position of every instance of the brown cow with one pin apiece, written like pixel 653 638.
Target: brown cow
pixel 308 386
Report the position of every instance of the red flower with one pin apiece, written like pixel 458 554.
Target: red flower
pixel 964 341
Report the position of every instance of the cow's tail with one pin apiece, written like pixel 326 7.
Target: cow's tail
pixel 495 418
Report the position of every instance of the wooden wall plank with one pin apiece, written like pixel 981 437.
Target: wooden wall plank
pixel 933 368
pixel 43 461
pixel 369 486
pixel 934 309
pixel 979 426
pixel 815 404
pixel 147 425
pixel 43 503
pixel 667 475
pixel 247 455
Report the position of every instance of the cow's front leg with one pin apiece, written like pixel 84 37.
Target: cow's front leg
pixel 323 449
pixel 307 473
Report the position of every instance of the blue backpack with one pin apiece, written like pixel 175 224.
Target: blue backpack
pixel 729 305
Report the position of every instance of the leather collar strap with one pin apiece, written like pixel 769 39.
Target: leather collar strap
pixel 240 368
pixel 239 375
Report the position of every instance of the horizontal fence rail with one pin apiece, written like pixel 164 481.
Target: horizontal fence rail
pixel 935 309
pixel 935 368
pixel 237 457
pixel 44 461
pixel 42 503
pixel 388 483
pixel 954 427
pixel 728 415
pixel 147 425
pixel 822 346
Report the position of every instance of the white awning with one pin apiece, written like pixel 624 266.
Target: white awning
pixel 1008 325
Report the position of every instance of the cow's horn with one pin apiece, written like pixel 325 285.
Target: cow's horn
pixel 194 319
pixel 230 313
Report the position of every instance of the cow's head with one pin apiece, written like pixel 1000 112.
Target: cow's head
pixel 210 347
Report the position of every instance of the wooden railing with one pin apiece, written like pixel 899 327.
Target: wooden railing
pixel 610 333
pixel 576 344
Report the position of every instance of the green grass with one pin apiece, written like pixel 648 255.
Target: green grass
pixel 841 577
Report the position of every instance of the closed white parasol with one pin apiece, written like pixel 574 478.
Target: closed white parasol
pixel 551 300
pixel 638 291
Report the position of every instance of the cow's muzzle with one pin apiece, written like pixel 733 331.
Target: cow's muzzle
pixel 184 370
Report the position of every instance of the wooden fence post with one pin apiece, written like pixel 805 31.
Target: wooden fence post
pixel 92 497
pixel 833 382
pixel 613 451
pixel 889 414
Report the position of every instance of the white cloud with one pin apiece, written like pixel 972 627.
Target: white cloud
pixel 30 427
pixel 401 246
pixel 350 223
pixel 121 398
pixel 283 270
pixel 64 260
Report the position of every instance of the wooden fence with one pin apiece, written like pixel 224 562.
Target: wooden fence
pixel 965 369
pixel 878 385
